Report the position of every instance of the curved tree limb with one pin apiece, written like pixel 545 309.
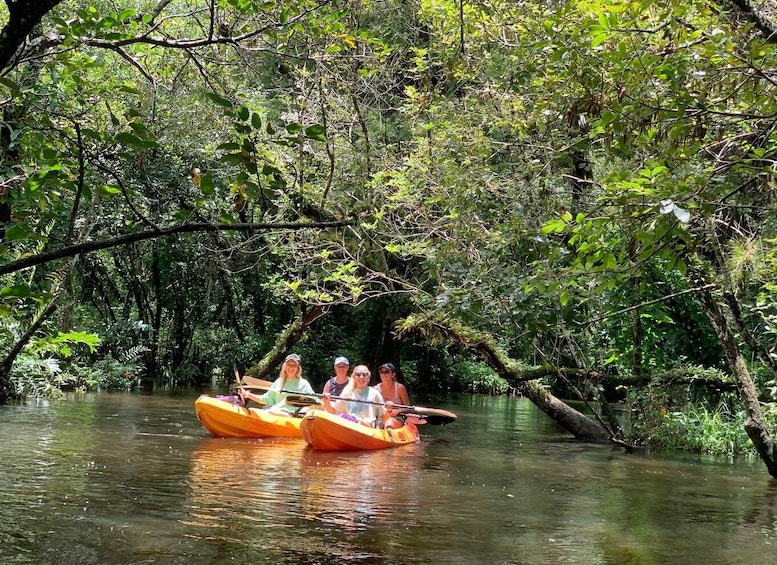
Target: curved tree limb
pixel 576 423
pixel 286 340
pixel 23 16
pixel 90 246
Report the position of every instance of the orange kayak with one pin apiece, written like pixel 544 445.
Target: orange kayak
pixel 226 416
pixel 330 432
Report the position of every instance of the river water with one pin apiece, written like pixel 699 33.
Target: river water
pixel 134 478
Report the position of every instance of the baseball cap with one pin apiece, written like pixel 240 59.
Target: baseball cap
pixel 388 366
pixel 343 360
pixel 292 357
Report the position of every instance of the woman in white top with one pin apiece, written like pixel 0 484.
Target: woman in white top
pixel 368 413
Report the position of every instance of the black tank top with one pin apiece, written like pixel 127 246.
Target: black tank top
pixel 336 388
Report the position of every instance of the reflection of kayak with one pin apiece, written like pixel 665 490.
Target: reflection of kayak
pixel 329 432
pixel 225 416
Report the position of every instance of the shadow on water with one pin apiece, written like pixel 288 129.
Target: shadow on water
pixel 134 478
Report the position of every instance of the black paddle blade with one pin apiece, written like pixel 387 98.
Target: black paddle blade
pixel 295 400
pixel 432 416
pixel 436 420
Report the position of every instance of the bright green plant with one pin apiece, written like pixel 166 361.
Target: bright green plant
pixel 668 417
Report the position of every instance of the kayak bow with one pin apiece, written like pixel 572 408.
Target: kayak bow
pixel 331 432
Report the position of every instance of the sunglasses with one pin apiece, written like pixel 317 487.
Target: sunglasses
pixel 361 374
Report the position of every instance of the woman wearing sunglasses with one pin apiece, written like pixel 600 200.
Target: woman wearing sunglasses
pixel 389 388
pixel 358 389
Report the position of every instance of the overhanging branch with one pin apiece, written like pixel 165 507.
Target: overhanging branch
pixel 90 246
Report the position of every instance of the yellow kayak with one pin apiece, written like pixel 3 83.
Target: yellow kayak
pixel 330 432
pixel 226 416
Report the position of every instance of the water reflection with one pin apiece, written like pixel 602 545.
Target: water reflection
pixel 280 486
pixel 136 479
pixel 353 490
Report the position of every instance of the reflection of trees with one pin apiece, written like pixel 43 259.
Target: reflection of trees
pixel 763 514
pixel 48 455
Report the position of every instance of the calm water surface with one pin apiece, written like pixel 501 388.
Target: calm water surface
pixel 133 478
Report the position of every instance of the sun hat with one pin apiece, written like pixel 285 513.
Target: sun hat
pixel 292 357
pixel 342 360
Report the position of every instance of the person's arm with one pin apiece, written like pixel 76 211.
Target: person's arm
pixel 388 412
pixel 248 395
pixel 327 386
pixel 326 402
pixel 382 410
pixel 271 397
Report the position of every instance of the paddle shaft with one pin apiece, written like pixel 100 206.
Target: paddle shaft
pixel 432 415
pixel 436 415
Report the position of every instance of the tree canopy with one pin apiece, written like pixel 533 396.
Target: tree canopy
pixel 587 184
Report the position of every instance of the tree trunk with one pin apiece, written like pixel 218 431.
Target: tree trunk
pixel 747 336
pixel 286 340
pixel 7 363
pixel 575 422
pixel 23 16
pixel 754 425
pixel 152 367
pixel 636 317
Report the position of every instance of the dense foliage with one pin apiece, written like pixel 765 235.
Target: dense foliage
pixel 183 180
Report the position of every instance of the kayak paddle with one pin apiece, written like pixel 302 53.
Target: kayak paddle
pixel 434 416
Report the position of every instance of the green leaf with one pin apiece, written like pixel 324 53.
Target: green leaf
pixel 206 184
pixel 557 225
pixel 16 233
pixel 114 119
pixel 126 138
pixel 317 132
pixel 599 38
pixel 89 339
pixel 10 85
pixel 142 130
pixel 16 291
pixel 107 190
pixel 219 100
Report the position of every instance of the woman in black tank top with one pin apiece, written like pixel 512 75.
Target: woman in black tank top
pixel 336 384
